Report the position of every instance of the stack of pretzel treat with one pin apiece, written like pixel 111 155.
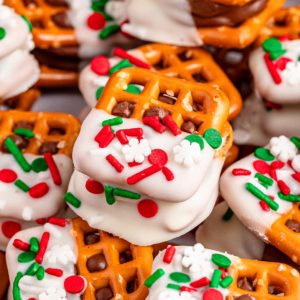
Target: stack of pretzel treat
pixel 149 150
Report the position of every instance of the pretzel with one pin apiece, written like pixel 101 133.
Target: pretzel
pixel 3 275
pixel 233 2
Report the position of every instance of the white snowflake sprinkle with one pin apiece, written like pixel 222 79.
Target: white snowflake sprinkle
pixel 53 294
pixel 187 153
pixel 60 255
pixel 296 163
pixel 136 151
pixel 291 73
pixel 282 148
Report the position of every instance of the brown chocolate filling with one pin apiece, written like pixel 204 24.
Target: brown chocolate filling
pixel 207 13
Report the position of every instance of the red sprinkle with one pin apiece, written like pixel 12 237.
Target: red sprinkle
pixel 261 166
pixel 96 21
pixel 39 190
pixel 54 272
pixel 105 136
pixel 169 254
pixel 115 163
pixel 282 62
pixel 284 189
pixel 100 65
pixel 94 186
pixel 187 289
pixel 21 245
pixel 277 164
pixel 134 164
pixel 273 174
pixel 43 247
pixel 204 281
pixel 122 137
pixel 172 125
pixel 296 176
pixel 264 205
pixel 272 69
pixel 41 221
pixel 158 157
pixel 126 34
pixel 62 222
pixel 74 284
pixel 285 37
pixel 53 169
pixel 168 173
pixel 10 228
pixel 241 172
pixel 147 208
pixel 137 132
pixel 8 176
pixel 212 294
pixel 272 105
pixel 154 123
pixel 143 174
pixel 224 273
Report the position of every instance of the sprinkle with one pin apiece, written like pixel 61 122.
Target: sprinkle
pixel 43 247
pixel 262 196
pixel 99 92
pixel 168 173
pixel 108 31
pixel 110 199
pixel 169 254
pixel 261 166
pixel 214 283
pixel 136 132
pixel 264 205
pixel 272 45
pixel 265 181
pixel 296 141
pixel 27 22
pixel 143 174
pixel 105 136
pixel 17 154
pixel 202 282
pixel 172 125
pixel 39 165
pixel 121 65
pixel 226 282
pixel 96 21
pixel 187 289
pixel 53 168
pixel 54 272
pixel 240 172
pixel 21 245
pixel 173 286
pixel 26 257
pixel 40 274
pixel 113 121
pixel 264 154
pixel 8 176
pixel 61 222
pixel 273 71
pixel 22 185
pixel 121 136
pixel 221 260
pixel 224 272
pixel 32 269
pixel 100 65
pixel 154 277
pixel 10 228
pixel 180 277
pixel 195 138
pixel 71 199
pixel 94 186
pixel 16 289
pixel 34 244
pixel 153 122
pixel 115 163
pixel 158 157
pixel 283 187
pixel 296 176
pixel 39 190
pixel 213 138
pixel 282 62
pixel 126 194
pixel 125 55
pixel 2 33
pixel 74 284
pixel 289 198
pixel 133 89
pixel 147 208
pixel 212 294
pixel 228 214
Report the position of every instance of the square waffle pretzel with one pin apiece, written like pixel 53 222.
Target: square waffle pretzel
pixel 240 36
pixel 116 276
pixel 192 64
pixel 42 123
pixel 214 102
pixel 264 275
pixel 46 33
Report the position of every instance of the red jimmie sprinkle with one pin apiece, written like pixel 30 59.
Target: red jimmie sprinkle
pixel 54 272
pixel 53 168
pixel 39 190
pixel 277 164
pixel 168 173
pixel 8 176
pixel 100 65
pixel 241 172
pixel 272 69
pixel 21 245
pixel 143 174
pixel 264 205
pixel 147 208
pixel 105 136
pixel 94 186
pixel 296 176
pixel 120 134
pixel 187 289
pixel 172 125
pixel 285 37
pixel 43 247
pixel 212 294
pixel 154 123
pixel 10 228
pixel 169 254
pixel 134 164
pixel 136 132
pixel 31 298
pixel 284 189
pixel 74 284
pixel 282 62
pixel 204 281
pixel 224 273
pixel 261 166
pixel 273 174
pixel 62 222
pixel 96 21
pixel 41 221
pixel 115 163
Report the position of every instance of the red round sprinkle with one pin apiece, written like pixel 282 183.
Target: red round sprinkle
pixel 147 208
pixel 94 187
pixel 100 65
pixel 74 284
pixel 158 157
pixel 212 294
pixel 39 190
pixel 10 228
pixel 8 176
pixel 96 21
pixel 261 166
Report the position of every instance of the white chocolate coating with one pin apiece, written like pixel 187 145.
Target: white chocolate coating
pixel 18 68
pixel 229 236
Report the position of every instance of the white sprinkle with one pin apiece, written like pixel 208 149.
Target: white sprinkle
pixel 27 213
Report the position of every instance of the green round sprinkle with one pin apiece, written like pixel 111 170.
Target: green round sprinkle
pixel 264 180
pixel 272 45
pixel 296 141
pixel 277 54
pixel 28 23
pixel 24 132
pixel 25 257
pixel 34 244
pixel 113 122
pixel 228 214
pixel 289 198
pixel 221 260
pixel 125 63
pixel 39 165
pixel 264 154
pixel 213 138
pixel 22 185
pixel 99 92
pixel 108 31
pixel 173 286
pixel 16 289
pixel 32 269
pixel 226 282
pixel 154 277
pixel 2 33
pixel 72 200
pixel 126 194
pixel 180 277
pixel 109 197
pixel 194 138
pixel 215 279
pixel 133 89
pixel 40 274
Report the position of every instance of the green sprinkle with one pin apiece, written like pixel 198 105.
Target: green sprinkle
pixel 40 274
pixel 126 194
pixel 16 289
pixel 133 89
pixel 25 257
pixel 296 141
pixel 125 63
pixel 39 165
pixel 277 54
pixel 99 5
pixel 71 199
pixel 113 122
pixel 108 31
pixel 110 199
pixel 261 196
pixel 221 260
pixel 17 154
pixel 272 45
pixel 264 154
pixel 228 214
pixel 289 198
pixel 34 244
pixel 226 282
pixel 180 277
pixel 24 132
pixel 99 92
pixel 22 185
pixel 213 138
pixel 154 277
pixel 2 33
pixel 194 138
pixel 264 180
pixel 28 23
pixel 214 283
pixel 32 269
pixel 173 286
